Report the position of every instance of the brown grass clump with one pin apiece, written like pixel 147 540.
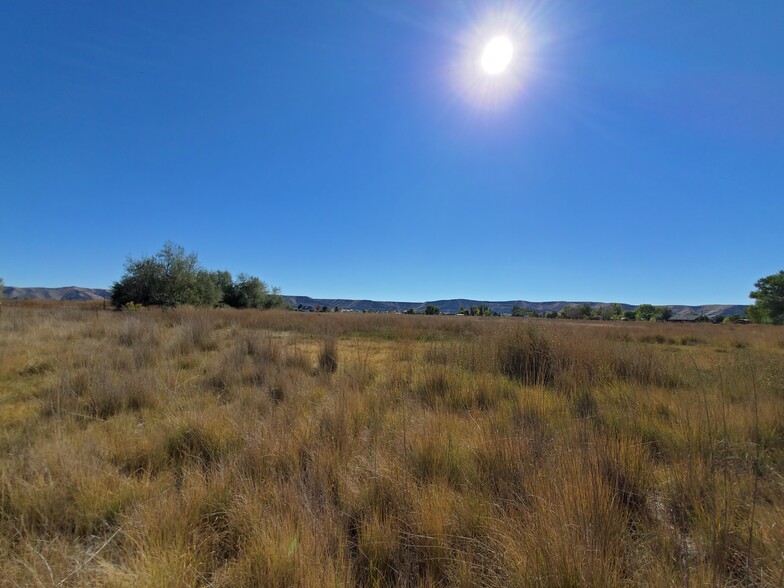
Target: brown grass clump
pixel 528 356
pixel 328 357
pixel 247 448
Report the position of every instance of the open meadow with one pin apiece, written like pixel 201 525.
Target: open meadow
pixel 272 448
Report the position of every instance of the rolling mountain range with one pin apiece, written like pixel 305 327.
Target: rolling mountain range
pixel 451 306
pixel 67 293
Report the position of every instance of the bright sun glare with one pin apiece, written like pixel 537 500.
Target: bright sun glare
pixel 497 55
pixel 496 61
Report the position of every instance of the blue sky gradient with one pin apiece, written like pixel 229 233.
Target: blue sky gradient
pixel 341 149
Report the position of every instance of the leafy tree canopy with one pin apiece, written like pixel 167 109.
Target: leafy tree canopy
pixel 645 312
pixel 769 300
pixel 577 312
pixel 524 312
pixel 173 277
pixel 250 292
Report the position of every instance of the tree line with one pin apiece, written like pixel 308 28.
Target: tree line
pixel 644 312
pixel 608 312
pixel 173 277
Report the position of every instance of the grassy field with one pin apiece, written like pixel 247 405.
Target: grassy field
pixel 246 448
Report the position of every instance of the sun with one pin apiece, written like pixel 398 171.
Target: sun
pixel 497 55
pixel 497 58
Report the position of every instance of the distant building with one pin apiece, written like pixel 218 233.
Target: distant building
pixel 686 316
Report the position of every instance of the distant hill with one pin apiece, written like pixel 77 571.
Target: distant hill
pixel 710 310
pixel 451 306
pixel 67 293
pixel 356 305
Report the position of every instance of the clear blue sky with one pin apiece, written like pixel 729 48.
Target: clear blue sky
pixel 633 152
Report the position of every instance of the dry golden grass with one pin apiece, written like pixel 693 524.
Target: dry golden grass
pixel 246 448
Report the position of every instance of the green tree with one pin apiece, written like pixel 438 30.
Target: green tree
pixel 663 313
pixel 432 310
pixel 604 312
pixel 169 278
pixel 224 282
pixel 645 312
pixel 209 290
pixel 577 312
pixel 585 311
pixel 769 300
pixel 141 283
pixel 173 277
pixel 180 278
pixel 250 292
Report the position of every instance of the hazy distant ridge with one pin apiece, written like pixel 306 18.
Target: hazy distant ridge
pixel 66 293
pixel 452 306
pixel 448 306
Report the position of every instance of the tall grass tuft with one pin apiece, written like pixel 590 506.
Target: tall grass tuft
pixel 328 356
pixel 527 355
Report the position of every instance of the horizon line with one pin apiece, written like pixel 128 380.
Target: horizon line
pixel 379 300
